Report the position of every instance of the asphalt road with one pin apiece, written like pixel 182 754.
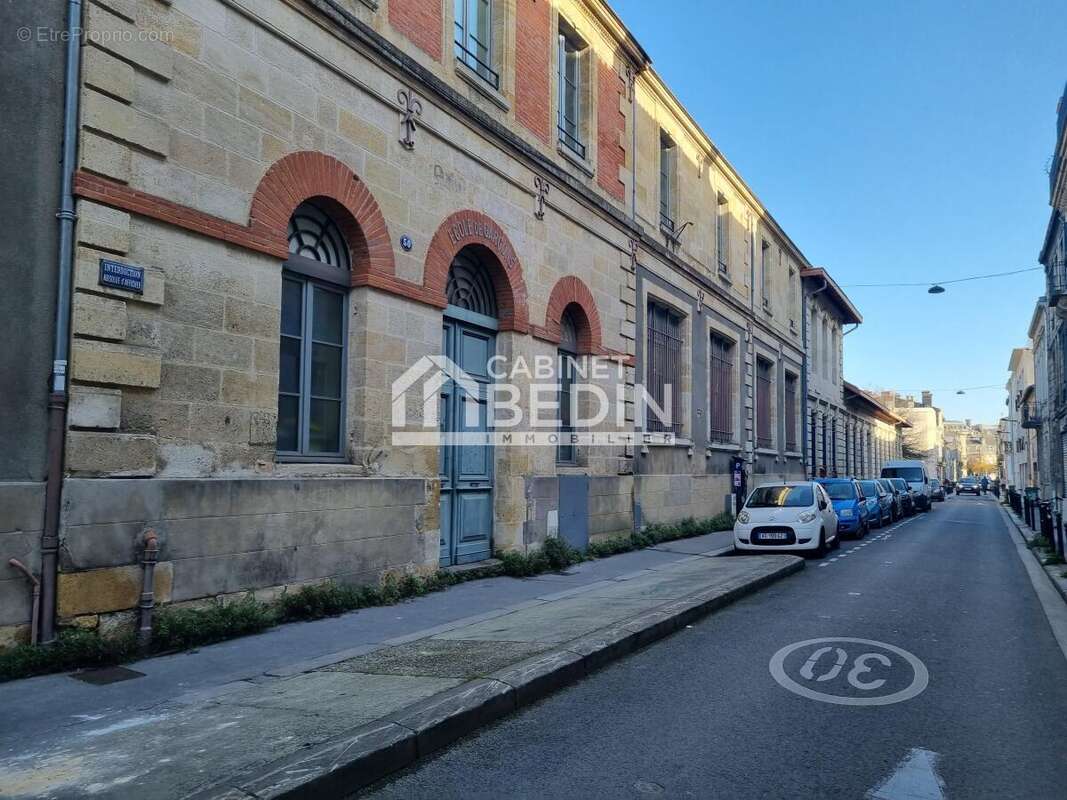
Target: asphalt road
pixel 700 715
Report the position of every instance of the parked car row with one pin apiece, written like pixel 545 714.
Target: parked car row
pixel 813 515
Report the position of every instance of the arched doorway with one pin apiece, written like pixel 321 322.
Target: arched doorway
pixel 469 341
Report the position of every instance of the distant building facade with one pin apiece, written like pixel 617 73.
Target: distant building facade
pixel 924 438
pixel 968 444
pixel 1020 458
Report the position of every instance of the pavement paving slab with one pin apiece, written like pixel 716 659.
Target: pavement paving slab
pixel 317 725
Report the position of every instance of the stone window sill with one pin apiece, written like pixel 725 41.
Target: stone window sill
pixel 731 447
pixel 481 86
pixel 767 451
pixel 581 163
pixel 319 469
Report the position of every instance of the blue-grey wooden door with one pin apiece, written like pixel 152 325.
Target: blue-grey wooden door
pixel 466 467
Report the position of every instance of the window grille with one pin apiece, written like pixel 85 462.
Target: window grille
pixel 763 404
pixel 664 367
pixel 721 412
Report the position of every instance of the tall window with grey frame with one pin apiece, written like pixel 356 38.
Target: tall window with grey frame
pixel 722 233
pixel 570 92
pixel 474 38
pixel 666 182
pixel 311 369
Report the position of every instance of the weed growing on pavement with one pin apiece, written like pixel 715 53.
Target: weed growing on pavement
pixel 72 649
pixel 185 628
pixel 659 533
pixel 1052 559
pixel 182 628
pixel 553 556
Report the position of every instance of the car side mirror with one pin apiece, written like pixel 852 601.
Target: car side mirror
pixel 822 505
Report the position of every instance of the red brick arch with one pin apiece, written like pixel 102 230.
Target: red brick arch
pixel 300 176
pixel 570 291
pixel 464 228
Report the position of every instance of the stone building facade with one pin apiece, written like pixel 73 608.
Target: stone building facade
pixel 1052 416
pixel 323 193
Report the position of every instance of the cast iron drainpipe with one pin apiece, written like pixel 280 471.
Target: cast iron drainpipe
pixel 14 562
pixel 148 596
pixel 57 399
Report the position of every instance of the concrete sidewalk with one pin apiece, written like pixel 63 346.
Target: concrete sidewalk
pixel 322 721
pixel 1057 573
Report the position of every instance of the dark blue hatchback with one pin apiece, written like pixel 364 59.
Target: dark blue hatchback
pixel 850 505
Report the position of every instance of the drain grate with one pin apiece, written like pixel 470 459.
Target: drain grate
pixel 106 675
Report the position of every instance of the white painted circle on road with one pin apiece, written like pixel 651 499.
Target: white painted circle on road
pixel 856 664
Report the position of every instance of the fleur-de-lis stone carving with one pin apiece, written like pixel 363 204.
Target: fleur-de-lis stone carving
pixel 542 186
pixel 410 109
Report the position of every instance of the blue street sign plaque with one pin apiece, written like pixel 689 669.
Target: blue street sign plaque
pixel 121 276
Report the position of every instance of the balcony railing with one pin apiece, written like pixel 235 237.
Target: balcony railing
pixel 1031 414
pixel 1056 279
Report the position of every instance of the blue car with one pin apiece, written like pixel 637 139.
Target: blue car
pixel 879 503
pixel 849 504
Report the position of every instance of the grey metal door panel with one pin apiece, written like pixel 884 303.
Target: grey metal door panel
pixel 574 510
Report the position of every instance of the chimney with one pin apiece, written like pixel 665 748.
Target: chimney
pixel 928 399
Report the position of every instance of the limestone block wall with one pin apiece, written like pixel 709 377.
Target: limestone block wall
pixel 20 537
pixel 220 537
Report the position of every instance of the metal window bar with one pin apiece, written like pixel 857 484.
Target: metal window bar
pixel 833 442
pixel 482 69
pixel 825 441
pixel 791 414
pixel 763 405
pixel 814 434
pixel 571 143
pixel 722 428
pixel 664 361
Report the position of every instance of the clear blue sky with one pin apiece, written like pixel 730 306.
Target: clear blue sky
pixel 899 141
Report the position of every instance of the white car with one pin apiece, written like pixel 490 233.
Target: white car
pixel 791 516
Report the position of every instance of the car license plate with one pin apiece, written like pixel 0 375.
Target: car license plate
pixel 774 535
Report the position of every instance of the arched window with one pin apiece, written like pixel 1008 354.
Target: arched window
pixel 470 285
pixel 568 351
pixel 314 332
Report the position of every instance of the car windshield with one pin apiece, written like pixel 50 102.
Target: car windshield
pixel 840 491
pixel 914 474
pixel 968 480
pixel 781 496
pixel 935 483
pixel 900 483
pixel 869 488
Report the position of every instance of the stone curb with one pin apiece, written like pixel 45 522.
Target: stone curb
pixel 372 751
pixel 1020 526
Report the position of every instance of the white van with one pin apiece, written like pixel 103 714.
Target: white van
pixel 914 472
